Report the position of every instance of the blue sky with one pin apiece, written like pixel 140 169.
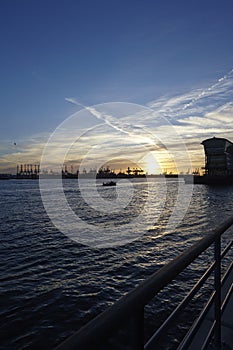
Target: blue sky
pixel 157 53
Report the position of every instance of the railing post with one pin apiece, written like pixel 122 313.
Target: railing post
pixel 136 330
pixel 217 286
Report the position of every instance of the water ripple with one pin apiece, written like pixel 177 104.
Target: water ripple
pixel 51 286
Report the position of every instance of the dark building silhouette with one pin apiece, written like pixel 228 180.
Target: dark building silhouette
pixel 218 156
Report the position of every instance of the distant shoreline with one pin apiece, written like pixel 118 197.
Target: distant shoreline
pixel 86 176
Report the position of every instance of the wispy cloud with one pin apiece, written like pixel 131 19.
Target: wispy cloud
pixel 189 117
pixel 120 124
pixel 197 101
pixel 146 131
pixel 199 114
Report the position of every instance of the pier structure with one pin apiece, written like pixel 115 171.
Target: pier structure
pixel 32 171
pixel 218 157
pixel 122 325
pixel 28 171
pixel 218 169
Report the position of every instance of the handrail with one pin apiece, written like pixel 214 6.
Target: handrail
pixel 132 304
pixel 192 331
pixel 170 320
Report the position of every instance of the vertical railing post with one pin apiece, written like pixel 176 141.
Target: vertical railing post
pixel 217 286
pixel 136 330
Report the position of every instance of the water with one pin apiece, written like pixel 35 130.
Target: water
pixel 50 285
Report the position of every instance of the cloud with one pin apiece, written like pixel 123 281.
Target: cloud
pixel 121 124
pixel 168 122
pixel 196 102
pixel 200 107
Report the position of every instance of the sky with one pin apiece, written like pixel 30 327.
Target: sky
pixel 175 58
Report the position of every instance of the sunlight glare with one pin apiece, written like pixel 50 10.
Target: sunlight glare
pixel 151 165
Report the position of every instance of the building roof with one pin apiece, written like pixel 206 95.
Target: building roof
pixel 216 138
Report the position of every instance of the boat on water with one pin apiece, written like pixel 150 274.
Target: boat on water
pixel 5 176
pixel 109 183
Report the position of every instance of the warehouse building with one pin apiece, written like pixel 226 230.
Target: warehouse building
pixel 218 157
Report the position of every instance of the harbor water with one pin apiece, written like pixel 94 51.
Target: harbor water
pixel 51 285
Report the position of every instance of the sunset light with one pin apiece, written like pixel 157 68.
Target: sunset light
pixel 116 174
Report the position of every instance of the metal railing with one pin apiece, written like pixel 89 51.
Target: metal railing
pixel 128 311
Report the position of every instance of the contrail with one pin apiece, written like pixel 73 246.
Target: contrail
pixel 74 101
pixel 205 91
pixel 98 115
pixel 111 121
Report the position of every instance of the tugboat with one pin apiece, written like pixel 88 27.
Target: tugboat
pixel 109 183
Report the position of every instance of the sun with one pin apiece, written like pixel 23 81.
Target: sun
pixel 151 164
